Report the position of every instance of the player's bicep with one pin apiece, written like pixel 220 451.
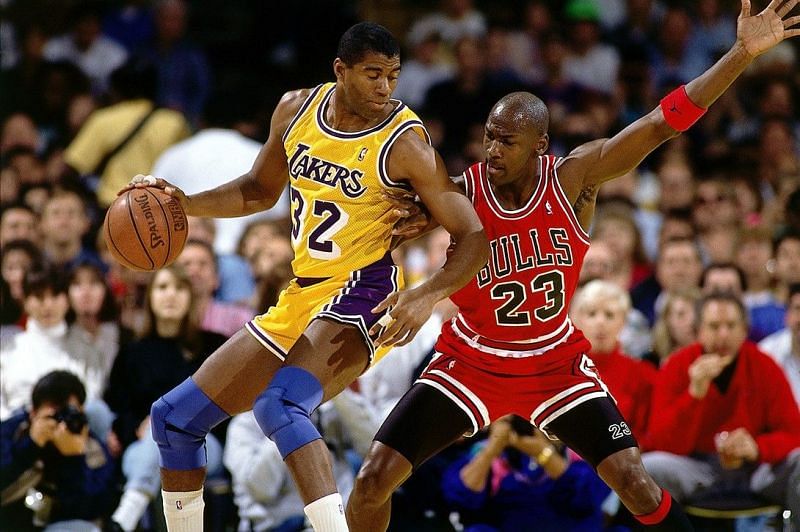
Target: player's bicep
pixel 271 168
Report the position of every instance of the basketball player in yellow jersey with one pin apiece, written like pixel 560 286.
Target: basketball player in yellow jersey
pixel 340 146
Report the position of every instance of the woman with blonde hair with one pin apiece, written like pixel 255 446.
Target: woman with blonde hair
pixel 675 325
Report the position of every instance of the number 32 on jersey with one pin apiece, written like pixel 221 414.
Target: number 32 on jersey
pixel 330 220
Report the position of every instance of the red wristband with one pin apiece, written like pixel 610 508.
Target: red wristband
pixel 679 111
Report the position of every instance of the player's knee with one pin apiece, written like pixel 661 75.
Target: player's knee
pixel 634 485
pixel 378 477
pixel 283 409
pixel 179 423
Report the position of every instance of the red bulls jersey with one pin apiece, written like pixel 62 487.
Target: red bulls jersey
pixel 517 305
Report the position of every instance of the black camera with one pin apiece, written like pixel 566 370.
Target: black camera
pixel 74 418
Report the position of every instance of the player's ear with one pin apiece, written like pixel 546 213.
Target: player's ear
pixel 542 144
pixel 338 68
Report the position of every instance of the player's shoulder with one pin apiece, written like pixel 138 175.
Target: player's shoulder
pixel 291 101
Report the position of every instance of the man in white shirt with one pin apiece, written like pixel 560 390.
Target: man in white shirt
pixel 784 345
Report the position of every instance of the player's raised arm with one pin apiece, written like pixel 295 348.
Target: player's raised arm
pixel 413 160
pixel 596 162
pixel 255 191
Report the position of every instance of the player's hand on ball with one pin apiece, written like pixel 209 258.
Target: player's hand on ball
pixel 142 181
pixel 408 312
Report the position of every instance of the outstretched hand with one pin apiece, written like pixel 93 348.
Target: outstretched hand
pixel 759 33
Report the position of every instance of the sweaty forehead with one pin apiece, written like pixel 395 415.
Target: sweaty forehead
pixel 509 120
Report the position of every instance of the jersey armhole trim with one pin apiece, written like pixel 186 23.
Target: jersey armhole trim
pixel 383 156
pixel 301 111
pixel 566 206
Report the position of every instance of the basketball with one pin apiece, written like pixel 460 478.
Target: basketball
pixel 145 229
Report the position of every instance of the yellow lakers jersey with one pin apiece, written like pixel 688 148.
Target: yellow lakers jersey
pixel 340 222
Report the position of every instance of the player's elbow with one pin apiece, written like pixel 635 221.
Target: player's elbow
pixel 662 130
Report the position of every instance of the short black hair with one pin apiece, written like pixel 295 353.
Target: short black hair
pixel 109 310
pixel 366 37
pixel 724 266
pixel 40 280
pixel 57 387
pixel 721 297
pixel 27 247
pixel 16 205
pixel 135 79
pixel 788 234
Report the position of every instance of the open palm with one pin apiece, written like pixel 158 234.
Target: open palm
pixel 761 32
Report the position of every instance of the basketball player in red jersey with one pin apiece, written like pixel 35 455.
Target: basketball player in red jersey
pixel 512 347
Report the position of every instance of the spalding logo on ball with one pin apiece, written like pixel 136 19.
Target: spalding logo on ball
pixel 145 229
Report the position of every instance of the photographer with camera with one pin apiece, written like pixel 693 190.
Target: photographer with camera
pixel 53 472
pixel 518 479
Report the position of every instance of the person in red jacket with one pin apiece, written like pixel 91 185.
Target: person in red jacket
pixel 724 422
pixel 599 310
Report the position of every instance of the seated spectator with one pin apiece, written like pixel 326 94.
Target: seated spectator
pixel 675 326
pixel 517 479
pixel 784 345
pixel 93 322
pixel 264 492
pixel 453 21
pixel 63 224
pixel 591 63
pixel 617 229
pixel 172 347
pixel 678 267
pixel 764 319
pixel 42 347
pixel 727 424
pixel 86 47
pixel 599 309
pixel 18 222
pixel 54 472
pixel 236 282
pixel 200 264
pixel 17 258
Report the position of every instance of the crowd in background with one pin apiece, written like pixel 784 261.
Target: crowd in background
pixel 95 92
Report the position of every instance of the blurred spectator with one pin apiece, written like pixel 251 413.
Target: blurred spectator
pixel 787 263
pixel 171 348
pixel 200 264
pixel 23 160
pixel 211 157
pixel 19 257
pixel 517 477
pixel 600 262
pixel 19 131
pixel 236 281
pixel 461 103
pixel 675 325
pixel 126 138
pixel 422 70
pixel 455 20
pixel 273 270
pixel 674 62
pixel 54 472
pixel 20 80
pixel 739 424
pixel 599 310
pixel 86 47
pixel 183 74
pixel 264 492
pixel 130 24
pixel 18 222
pixel 763 319
pixel 617 229
pixel 93 322
pixel 784 345
pixel 678 267
pixel 63 224
pixel 753 256
pixel 717 219
pixel 677 184
pixel 42 347
pixel 499 69
pixel 525 46
pixel 713 31
pixel 792 217
pixel 591 64
pixel 9 185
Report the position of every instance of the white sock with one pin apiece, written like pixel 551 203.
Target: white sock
pixel 131 507
pixel 327 514
pixel 183 510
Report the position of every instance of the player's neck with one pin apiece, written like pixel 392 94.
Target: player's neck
pixel 516 193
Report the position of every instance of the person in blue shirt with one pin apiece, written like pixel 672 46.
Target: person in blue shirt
pixel 518 480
